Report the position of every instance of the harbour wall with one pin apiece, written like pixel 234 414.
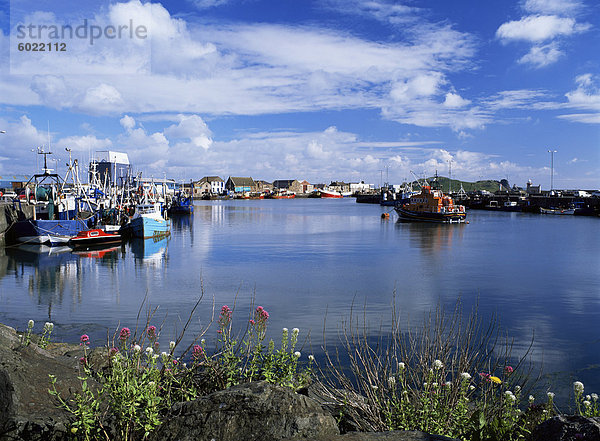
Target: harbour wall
pixel 11 212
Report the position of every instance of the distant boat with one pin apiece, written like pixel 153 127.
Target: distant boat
pixel 94 237
pixel 331 194
pixel 181 204
pixel 149 221
pixel 506 206
pixel 431 206
pixel 281 194
pixel 559 211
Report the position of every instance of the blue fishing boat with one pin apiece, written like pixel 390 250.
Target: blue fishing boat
pixel 149 220
pixel 181 204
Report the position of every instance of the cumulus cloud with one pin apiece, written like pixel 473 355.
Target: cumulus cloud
pixel 455 101
pixel 548 23
pixel 585 97
pixel 539 28
pixel 87 143
pixel 127 122
pixel 540 56
pixel 100 99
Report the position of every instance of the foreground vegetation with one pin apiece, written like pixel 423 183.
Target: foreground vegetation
pixel 449 377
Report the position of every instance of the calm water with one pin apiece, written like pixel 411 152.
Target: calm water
pixel 303 258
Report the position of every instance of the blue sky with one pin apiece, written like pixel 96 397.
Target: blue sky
pixel 323 90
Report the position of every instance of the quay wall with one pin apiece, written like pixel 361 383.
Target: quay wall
pixel 10 212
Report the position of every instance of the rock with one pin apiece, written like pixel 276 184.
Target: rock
pixel 567 428
pixel 251 411
pixel 27 410
pixel 396 435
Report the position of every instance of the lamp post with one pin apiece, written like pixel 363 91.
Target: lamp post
pixel 552 152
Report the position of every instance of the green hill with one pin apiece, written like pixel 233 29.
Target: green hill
pixel 444 183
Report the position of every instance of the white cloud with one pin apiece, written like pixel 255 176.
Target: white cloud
pixel 540 56
pixel 539 28
pixel 87 143
pixel 100 99
pixel 191 127
pixel 127 122
pixel 552 6
pixel 454 101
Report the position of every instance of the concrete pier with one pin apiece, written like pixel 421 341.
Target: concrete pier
pixel 10 212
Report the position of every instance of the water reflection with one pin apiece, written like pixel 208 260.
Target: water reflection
pixel 150 251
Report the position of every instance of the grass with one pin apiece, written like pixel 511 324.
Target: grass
pixel 451 376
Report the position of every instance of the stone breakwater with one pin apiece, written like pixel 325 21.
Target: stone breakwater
pixel 251 411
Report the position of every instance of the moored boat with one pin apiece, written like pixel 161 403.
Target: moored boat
pixel 281 194
pixel 431 206
pixel 330 194
pixel 149 221
pixel 94 236
pixel 559 211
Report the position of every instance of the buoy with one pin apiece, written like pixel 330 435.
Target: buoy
pixel 385 215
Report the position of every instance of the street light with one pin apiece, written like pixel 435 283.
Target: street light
pixel 552 152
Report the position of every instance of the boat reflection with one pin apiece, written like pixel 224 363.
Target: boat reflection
pixel 98 251
pixel 432 238
pixel 152 250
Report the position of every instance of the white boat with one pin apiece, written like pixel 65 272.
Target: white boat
pixel 559 211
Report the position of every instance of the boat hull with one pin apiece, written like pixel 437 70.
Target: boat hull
pixel 148 227
pixel 444 218
pixel 52 232
pixel 557 211
pixel 94 238
pixel 331 194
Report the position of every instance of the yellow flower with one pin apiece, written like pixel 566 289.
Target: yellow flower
pixel 495 380
pixel 73 430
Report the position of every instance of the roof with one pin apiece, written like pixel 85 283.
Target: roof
pixel 242 182
pixel 283 183
pixel 210 179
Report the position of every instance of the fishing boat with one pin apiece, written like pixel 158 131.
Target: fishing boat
pixel 332 194
pixel 149 220
pixel 431 205
pixel 181 204
pixel 281 194
pixel 56 215
pixel 559 211
pixel 95 236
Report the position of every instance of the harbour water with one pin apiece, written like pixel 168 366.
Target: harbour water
pixel 303 259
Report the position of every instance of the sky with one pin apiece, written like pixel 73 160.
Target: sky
pixel 323 90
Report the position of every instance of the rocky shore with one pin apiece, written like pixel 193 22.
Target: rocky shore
pixel 251 411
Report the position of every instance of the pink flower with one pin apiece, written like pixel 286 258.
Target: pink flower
pixel 509 370
pixel 84 339
pixel 252 322
pixel 125 333
pixel 151 332
pixel 83 361
pixel 485 376
pixel 197 352
pixel 112 352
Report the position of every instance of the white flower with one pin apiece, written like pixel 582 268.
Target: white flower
pixel 587 397
pixel 48 326
pixel 149 350
pixel 510 397
pixel 471 387
pixel 448 384
pixel 203 342
pixel 151 384
pixel 30 324
pixel 425 385
pixel 434 384
pixel 401 366
pixel 595 397
pixel 155 356
pixel 586 403
pixel 285 330
pixel 374 387
pixel 517 389
pixel 465 376
pixel 578 387
pixel 171 345
pixel 137 348
pixel 311 357
pixel 550 395
pixel 295 331
pixel 437 364
pixel 297 354
pixel 531 398
pixel 392 381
